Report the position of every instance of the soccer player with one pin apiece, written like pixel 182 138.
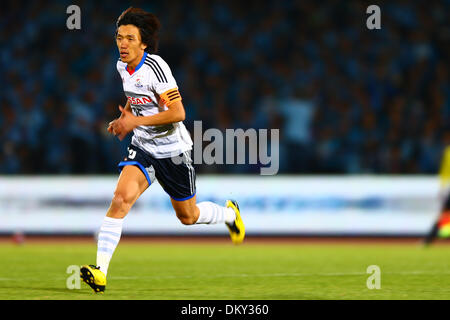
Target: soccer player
pixel 160 144
pixel 441 227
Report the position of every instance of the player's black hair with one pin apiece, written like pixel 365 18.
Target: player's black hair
pixel 147 23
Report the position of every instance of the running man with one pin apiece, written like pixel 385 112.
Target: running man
pixel 155 114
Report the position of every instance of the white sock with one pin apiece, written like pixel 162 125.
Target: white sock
pixel 108 238
pixel 211 213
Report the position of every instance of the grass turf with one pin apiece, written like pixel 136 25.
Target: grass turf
pixel 226 272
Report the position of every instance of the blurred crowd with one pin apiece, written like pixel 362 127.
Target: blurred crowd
pixel 346 99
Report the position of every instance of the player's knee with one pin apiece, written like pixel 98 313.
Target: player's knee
pixel 185 217
pixel 121 202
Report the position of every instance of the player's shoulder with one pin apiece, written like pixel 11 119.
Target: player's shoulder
pixel 156 58
pixel 156 61
pixel 158 67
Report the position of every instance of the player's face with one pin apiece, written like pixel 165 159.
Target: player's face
pixel 129 43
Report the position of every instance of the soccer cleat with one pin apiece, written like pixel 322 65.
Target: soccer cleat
pixel 237 229
pixel 444 231
pixel 95 278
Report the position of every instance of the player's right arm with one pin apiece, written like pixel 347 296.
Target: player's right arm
pixel 110 126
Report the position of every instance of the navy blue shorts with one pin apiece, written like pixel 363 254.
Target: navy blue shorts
pixel 177 180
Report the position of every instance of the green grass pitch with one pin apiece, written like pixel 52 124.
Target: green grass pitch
pixel 221 271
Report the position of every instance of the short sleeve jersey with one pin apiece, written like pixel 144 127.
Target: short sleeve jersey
pixel 150 89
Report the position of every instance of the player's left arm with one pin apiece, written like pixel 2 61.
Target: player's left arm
pixel 175 112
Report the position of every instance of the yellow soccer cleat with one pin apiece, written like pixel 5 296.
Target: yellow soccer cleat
pixel 444 231
pixel 237 229
pixel 95 278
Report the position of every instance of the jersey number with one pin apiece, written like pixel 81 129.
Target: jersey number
pixel 131 153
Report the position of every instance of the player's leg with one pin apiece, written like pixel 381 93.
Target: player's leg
pixel 441 228
pixel 186 210
pixel 178 179
pixel 431 236
pixel 131 184
pixel 189 212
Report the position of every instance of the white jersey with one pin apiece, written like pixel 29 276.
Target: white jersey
pixel 149 90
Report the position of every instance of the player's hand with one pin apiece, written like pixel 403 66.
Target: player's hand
pixel 110 127
pixel 113 129
pixel 124 124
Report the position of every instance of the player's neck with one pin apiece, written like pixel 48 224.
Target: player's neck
pixel 133 64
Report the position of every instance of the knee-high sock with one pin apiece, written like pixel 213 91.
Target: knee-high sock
pixel 211 213
pixel 108 238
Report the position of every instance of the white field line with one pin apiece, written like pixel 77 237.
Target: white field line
pixel 263 275
pixel 244 275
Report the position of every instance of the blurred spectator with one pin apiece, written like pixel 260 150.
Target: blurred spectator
pixel 346 99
